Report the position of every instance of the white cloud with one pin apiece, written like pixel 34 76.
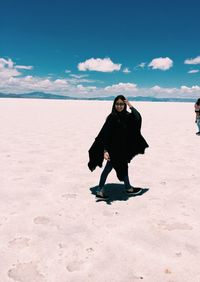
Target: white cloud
pixel 157 91
pixel 67 71
pixel 160 90
pixel 193 89
pixel 78 76
pixel 193 71
pixel 161 63
pixel 142 65
pixel 86 88
pixel 194 61
pixel 156 88
pixel 7 72
pixel 3 62
pixel 7 69
pixel 76 81
pixel 102 65
pixel 121 87
pixel 164 92
pixel 61 82
pixel 13 81
pixel 24 67
pixel 126 70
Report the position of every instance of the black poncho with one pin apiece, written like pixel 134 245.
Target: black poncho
pixel 121 137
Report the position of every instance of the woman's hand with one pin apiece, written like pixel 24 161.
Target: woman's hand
pixel 106 156
pixel 128 103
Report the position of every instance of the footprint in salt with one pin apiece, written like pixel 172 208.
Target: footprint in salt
pixel 69 196
pixel 107 213
pixel 74 266
pixel 2 220
pixel 18 178
pixel 20 242
pixel 22 271
pixel 41 220
pixel 192 249
pixel 77 264
pixel 167 271
pixel 138 277
pixel 175 226
pixel 89 251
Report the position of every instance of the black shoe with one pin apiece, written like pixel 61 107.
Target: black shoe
pixel 100 195
pixel 134 191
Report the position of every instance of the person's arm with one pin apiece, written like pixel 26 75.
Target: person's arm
pixel 197 111
pixel 196 115
pixel 131 107
pixel 128 104
pixel 107 131
pixel 135 113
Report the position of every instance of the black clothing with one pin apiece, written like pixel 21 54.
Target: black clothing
pixel 121 137
pixel 107 169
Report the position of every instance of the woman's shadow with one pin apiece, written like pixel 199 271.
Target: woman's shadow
pixel 116 192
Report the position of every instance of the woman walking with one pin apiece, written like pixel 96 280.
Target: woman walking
pixel 118 142
pixel 197 111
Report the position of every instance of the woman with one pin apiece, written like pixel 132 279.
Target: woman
pixel 197 111
pixel 118 142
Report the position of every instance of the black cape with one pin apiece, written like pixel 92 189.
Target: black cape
pixel 121 137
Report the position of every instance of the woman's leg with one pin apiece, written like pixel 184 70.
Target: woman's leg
pixel 127 182
pixel 198 123
pixel 130 189
pixel 104 175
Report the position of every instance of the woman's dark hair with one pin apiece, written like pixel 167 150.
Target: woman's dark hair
pixel 198 102
pixel 121 97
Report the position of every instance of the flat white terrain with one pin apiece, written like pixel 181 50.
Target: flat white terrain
pixel 52 229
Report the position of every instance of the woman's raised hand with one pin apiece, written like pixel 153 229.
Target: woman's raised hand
pixel 106 156
pixel 128 103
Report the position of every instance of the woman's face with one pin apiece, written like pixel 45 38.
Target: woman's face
pixel 119 105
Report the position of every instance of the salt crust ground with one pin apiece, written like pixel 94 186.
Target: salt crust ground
pixel 51 227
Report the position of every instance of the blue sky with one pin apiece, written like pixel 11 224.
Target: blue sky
pixel 101 48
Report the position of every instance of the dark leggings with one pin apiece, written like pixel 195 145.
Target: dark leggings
pixel 105 173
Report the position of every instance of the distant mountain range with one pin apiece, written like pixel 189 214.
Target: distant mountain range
pixel 41 95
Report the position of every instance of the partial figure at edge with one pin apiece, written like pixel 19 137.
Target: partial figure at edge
pixel 197 111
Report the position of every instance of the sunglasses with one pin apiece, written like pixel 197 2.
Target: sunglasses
pixel 119 104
